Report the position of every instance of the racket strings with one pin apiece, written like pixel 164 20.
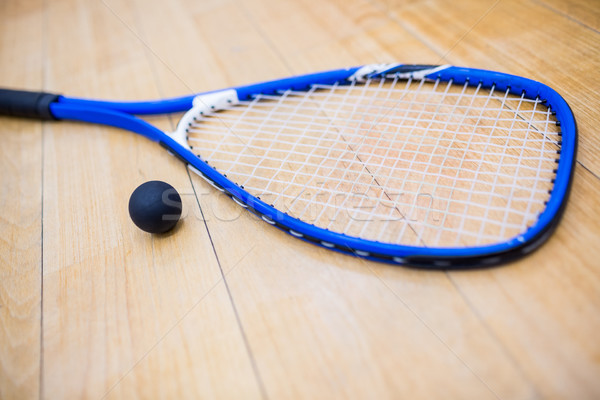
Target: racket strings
pixel 409 162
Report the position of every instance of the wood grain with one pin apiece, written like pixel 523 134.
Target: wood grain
pixel 21 65
pixel 584 12
pixel 228 307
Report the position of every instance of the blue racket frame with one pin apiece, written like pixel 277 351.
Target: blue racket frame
pixel 120 114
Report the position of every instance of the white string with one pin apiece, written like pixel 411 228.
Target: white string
pixel 272 142
pixel 436 185
pixel 403 162
pixel 323 159
pixel 536 142
pixel 542 160
pixel 313 149
pixel 468 203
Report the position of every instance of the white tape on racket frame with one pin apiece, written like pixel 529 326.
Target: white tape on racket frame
pixel 373 69
pixel 203 104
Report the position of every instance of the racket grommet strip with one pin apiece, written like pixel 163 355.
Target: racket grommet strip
pixel 239 202
pixel 267 220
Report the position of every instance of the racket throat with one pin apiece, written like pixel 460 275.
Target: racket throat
pixel 204 104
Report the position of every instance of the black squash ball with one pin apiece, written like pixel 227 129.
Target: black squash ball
pixel 155 207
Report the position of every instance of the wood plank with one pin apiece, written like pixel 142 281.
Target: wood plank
pixel 20 206
pixel 122 308
pixel 582 11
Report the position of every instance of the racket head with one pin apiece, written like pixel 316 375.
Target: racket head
pixel 440 91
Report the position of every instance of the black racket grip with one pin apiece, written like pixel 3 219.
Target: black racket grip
pixel 22 103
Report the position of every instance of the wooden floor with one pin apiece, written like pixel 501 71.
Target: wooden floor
pixel 228 307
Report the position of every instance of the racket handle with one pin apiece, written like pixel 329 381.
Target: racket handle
pixel 21 103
